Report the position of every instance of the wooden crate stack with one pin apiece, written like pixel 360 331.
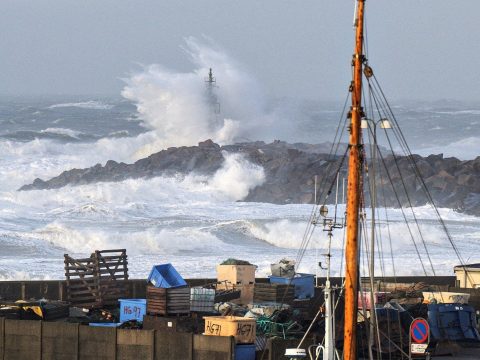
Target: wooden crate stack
pixel 169 301
pixel 237 277
pixel 97 281
pixel 277 293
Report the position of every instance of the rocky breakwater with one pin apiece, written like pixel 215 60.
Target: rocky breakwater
pixel 290 170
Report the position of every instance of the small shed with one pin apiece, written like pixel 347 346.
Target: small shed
pixel 468 276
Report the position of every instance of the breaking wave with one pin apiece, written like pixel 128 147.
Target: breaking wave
pixel 178 110
pixel 150 241
pixel 176 107
pixel 237 177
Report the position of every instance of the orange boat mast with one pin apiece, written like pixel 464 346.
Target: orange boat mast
pixel 353 194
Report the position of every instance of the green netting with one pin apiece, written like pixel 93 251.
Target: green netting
pixel 232 261
pixel 269 327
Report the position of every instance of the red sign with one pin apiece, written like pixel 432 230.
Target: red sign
pixel 419 331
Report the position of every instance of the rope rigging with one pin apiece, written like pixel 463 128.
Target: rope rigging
pixel 386 169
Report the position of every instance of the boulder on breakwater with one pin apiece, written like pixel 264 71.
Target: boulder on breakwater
pixel 290 170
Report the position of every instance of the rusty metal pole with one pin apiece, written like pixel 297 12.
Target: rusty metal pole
pixel 353 195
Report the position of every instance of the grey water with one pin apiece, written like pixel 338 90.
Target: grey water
pixel 188 222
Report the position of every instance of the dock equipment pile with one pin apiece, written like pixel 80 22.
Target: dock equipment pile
pixel 98 280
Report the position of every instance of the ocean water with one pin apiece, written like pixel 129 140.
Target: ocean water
pixel 193 222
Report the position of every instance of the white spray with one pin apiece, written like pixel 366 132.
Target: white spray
pixel 174 105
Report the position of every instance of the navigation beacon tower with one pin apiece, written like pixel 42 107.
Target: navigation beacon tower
pixel 212 100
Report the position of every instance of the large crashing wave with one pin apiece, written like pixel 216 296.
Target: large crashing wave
pixel 174 105
pixel 237 177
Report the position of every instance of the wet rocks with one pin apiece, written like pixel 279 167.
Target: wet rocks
pixel 291 168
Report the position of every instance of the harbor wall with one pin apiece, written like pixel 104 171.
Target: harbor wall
pixel 59 341
pixel 56 289
pixel 38 340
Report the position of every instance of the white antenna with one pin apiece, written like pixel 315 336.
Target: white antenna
pixel 328 350
pixel 336 201
pixel 316 248
pixel 355 14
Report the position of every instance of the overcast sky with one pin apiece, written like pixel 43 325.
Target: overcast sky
pixel 419 49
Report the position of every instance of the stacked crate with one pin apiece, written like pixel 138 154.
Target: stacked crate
pixel 237 277
pixel 276 293
pixel 168 293
pixel 168 301
pixel 202 300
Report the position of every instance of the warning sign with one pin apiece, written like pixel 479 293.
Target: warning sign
pixel 419 337
pixel 419 331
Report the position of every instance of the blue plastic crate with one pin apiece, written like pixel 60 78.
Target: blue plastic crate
pixel 105 324
pixel 132 309
pixel 165 276
pixel 304 284
pixel 245 352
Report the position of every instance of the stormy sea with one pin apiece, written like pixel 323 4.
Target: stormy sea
pixel 192 222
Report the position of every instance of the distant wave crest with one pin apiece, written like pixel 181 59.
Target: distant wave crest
pixel 63 132
pixel 60 134
pixel 459 112
pixel 92 104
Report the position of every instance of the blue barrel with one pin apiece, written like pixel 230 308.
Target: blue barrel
pixel 245 352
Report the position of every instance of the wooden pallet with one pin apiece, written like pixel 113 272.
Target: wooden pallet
pixel 112 272
pixel 169 301
pixel 82 282
pixel 278 293
pixel 98 280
